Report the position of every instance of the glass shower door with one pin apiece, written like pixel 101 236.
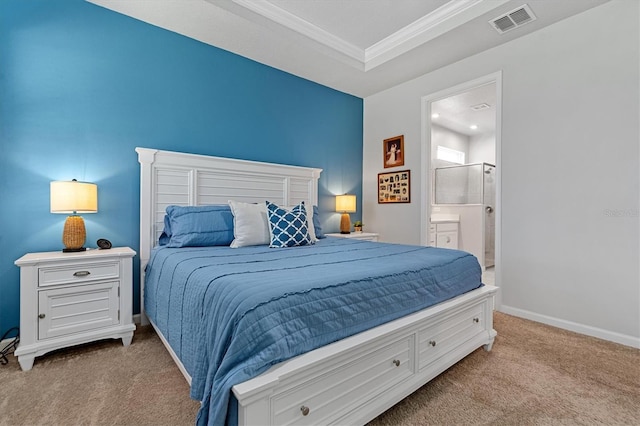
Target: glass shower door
pixel 489 201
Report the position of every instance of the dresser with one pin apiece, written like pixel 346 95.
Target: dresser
pixel 71 298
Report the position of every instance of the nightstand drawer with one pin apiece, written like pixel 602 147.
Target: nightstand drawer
pixel 78 273
pixel 75 309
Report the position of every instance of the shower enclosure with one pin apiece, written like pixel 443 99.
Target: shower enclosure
pixel 470 184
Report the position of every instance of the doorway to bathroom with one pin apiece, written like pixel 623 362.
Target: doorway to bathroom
pixel 461 146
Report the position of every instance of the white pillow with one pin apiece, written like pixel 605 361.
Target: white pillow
pixel 250 224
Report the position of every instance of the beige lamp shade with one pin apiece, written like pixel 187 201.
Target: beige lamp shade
pixel 346 203
pixel 73 197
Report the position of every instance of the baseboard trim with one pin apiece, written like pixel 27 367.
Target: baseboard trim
pixel 623 339
pixel 611 336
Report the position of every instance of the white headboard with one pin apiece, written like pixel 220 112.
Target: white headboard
pixel 174 178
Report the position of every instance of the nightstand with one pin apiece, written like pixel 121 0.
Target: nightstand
pixel 365 236
pixel 72 298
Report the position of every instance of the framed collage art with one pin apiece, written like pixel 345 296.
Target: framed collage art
pixel 394 187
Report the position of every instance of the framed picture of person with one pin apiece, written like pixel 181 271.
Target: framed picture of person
pixel 394 187
pixel 393 150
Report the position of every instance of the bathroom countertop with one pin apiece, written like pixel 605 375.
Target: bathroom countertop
pixel 445 217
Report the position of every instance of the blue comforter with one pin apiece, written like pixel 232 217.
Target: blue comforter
pixel 229 314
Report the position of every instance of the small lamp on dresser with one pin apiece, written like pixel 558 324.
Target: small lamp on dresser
pixel 345 204
pixel 73 197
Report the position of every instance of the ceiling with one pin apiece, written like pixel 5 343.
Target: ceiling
pixel 359 47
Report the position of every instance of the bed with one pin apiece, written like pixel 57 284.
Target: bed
pixel 316 334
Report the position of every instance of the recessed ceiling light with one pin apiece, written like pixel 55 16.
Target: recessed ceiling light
pixel 435 115
pixel 473 127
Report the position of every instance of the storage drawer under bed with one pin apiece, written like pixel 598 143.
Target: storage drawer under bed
pixel 368 374
pixel 440 338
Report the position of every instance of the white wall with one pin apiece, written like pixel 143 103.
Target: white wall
pixel 450 139
pixel 482 148
pixel 570 160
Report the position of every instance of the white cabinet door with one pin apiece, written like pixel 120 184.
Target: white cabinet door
pixel 75 309
pixel 448 239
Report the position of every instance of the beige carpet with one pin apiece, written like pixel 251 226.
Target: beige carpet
pixel 535 375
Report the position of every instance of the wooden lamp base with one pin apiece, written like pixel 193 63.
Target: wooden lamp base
pixel 345 224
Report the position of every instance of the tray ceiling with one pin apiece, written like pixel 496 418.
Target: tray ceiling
pixel 359 47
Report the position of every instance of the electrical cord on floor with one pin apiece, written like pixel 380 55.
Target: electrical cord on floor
pixel 11 346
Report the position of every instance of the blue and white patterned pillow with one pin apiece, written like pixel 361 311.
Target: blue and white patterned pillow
pixel 288 228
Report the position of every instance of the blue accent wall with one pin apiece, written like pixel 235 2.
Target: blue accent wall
pixel 82 86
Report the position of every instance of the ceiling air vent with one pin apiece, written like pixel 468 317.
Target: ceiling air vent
pixel 480 107
pixel 513 19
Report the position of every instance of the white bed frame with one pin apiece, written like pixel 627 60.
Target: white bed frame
pixel 347 382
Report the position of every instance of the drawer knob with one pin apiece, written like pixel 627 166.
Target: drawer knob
pixel 396 362
pixel 41 316
pixel 81 273
pixel 476 320
pixel 432 342
pixel 305 410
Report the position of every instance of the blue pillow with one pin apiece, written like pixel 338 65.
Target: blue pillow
pixel 197 226
pixel 166 234
pixel 288 228
pixel 316 223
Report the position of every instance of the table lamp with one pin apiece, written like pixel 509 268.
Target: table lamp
pixel 345 204
pixel 72 197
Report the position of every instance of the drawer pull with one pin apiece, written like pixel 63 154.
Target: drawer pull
pixel 432 342
pixel 476 320
pixel 41 316
pixel 81 273
pixel 396 362
pixel 305 410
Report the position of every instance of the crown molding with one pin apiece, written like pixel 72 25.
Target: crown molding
pixel 447 17
pixel 301 26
